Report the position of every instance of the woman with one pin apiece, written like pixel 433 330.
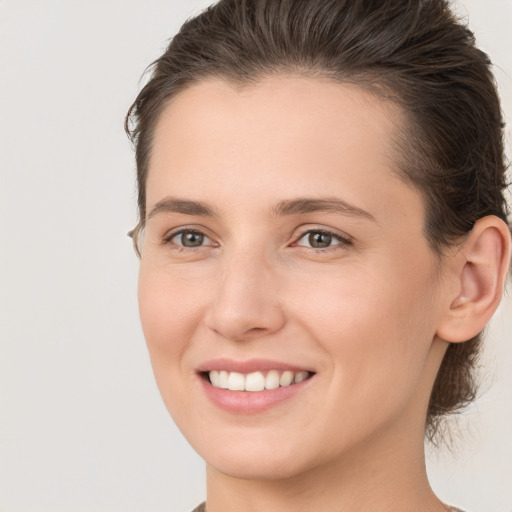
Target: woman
pixel 323 237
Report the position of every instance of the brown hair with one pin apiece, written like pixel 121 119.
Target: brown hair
pixel 412 52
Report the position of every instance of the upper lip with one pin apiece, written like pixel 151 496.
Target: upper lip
pixel 248 366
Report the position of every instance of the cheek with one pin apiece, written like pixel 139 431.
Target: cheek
pixel 376 327
pixel 170 312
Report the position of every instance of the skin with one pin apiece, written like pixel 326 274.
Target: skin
pixel 363 314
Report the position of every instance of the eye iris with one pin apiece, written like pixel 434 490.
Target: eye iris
pixel 319 240
pixel 192 239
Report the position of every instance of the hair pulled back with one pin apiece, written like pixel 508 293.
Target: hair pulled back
pixel 412 52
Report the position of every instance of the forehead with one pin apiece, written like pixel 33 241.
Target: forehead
pixel 283 136
pixel 276 106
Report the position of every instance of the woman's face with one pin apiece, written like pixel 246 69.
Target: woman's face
pixel 280 241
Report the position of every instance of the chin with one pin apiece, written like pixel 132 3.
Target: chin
pixel 257 461
pixel 244 468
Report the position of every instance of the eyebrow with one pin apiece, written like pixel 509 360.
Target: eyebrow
pixel 298 206
pixel 325 204
pixel 184 206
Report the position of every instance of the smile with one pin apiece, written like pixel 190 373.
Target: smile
pixel 255 381
pixel 253 386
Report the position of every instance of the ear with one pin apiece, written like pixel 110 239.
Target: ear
pixel 479 271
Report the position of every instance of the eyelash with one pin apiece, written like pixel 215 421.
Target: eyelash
pixel 169 239
pixel 343 242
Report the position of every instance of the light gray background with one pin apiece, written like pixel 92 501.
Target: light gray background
pixel 82 427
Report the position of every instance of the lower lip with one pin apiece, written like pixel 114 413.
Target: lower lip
pixel 251 402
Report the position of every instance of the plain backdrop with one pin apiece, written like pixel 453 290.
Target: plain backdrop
pixel 82 426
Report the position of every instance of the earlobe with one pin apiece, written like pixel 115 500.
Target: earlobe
pixel 480 278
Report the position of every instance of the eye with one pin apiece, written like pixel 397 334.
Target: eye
pixel 319 239
pixel 189 238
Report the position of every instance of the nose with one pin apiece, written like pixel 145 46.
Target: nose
pixel 246 303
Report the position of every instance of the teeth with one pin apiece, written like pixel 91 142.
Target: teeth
pixel 223 379
pixel 255 381
pixel 214 378
pixel 286 378
pixel 272 380
pixel 300 376
pixel 236 381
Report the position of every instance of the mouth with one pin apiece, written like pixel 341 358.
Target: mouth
pixel 255 381
pixel 252 386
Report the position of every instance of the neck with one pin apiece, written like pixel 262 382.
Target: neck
pixel 383 475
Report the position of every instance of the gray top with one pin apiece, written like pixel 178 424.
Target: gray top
pixel 202 508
